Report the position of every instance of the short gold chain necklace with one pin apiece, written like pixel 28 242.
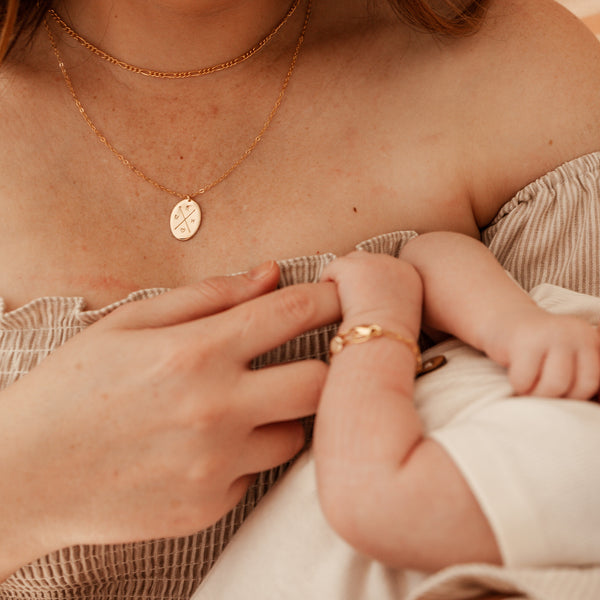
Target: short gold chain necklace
pixel 186 216
pixel 174 74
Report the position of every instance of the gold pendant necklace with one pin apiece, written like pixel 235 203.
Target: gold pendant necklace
pixel 174 74
pixel 186 216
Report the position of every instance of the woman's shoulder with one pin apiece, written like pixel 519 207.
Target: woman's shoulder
pixel 542 47
pixel 530 89
pixel 500 107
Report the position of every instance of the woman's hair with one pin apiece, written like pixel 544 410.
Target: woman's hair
pixel 454 18
pixel 21 18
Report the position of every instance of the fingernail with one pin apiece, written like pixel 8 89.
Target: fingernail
pixel 261 271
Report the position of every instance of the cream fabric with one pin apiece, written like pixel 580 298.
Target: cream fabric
pixel 565 201
pixel 527 459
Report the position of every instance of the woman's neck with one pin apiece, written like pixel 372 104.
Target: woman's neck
pixel 173 34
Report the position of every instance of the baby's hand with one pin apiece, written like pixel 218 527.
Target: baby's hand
pixel 377 288
pixel 552 355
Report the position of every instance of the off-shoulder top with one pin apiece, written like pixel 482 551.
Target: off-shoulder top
pixel 548 232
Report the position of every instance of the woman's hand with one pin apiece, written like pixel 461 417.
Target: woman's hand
pixel 150 423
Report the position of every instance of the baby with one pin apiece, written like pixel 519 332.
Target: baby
pixel 416 499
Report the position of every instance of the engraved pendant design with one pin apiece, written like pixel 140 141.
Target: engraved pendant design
pixel 185 219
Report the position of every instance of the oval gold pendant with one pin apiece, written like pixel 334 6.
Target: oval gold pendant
pixel 185 219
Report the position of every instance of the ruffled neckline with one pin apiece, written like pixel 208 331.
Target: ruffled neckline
pixel 74 305
pixel 50 311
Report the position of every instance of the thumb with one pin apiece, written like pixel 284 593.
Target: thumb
pixel 208 297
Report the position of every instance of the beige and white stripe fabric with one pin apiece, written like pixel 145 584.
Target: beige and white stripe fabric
pixel 549 232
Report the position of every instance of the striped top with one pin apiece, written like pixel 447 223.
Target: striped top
pixel 549 232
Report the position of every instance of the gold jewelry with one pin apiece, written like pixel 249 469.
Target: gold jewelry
pixel 186 216
pixel 363 333
pixel 174 74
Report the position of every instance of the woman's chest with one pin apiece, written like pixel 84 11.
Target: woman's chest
pixel 90 227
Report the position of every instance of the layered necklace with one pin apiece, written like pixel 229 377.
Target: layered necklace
pixel 186 215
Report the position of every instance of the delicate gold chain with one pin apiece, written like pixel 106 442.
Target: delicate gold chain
pixel 135 169
pixel 174 74
pixel 364 333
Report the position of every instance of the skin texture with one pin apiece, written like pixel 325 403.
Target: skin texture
pixel 380 478
pixel 360 146
pixel 172 460
pixel 469 295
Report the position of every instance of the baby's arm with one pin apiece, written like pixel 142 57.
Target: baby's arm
pixel 388 490
pixel 469 295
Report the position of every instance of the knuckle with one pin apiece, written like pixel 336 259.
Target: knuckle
pixel 296 304
pixel 213 469
pixel 211 417
pixel 208 471
pixel 518 383
pixel 556 388
pixel 586 387
pixel 180 354
pixel 213 289
pixel 175 359
pixel 175 374
pixel 214 420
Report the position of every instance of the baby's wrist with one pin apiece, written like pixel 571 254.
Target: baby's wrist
pixel 367 332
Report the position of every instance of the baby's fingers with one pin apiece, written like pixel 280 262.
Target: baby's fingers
pixel 587 376
pixel 524 371
pixel 557 374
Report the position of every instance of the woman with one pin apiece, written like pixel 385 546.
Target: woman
pixel 341 124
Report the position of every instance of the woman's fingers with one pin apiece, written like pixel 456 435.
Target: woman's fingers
pixel 283 392
pixel 261 324
pixel 208 297
pixel 161 391
pixel 272 445
pixel 587 379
